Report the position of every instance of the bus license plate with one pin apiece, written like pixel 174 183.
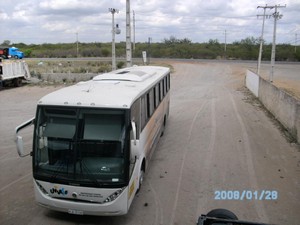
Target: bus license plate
pixel 75 212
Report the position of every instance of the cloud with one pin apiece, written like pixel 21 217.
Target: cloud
pixel 3 16
pixel 68 8
pixel 181 7
pixel 56 21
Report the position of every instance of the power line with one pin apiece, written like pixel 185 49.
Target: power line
pixel 194 17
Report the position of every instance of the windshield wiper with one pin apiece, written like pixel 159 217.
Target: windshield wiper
pixel 58 171
pixel 63 163
pixel 88 173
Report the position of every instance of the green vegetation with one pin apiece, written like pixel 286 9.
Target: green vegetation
pixel 68 67
pixel 246 49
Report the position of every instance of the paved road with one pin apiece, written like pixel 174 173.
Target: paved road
pixel 217 138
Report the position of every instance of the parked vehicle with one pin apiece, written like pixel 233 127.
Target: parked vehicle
pixel 13 72
pixel 11 52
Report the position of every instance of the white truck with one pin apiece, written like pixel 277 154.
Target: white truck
pixel 13 72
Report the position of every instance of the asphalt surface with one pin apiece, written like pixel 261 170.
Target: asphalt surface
pixel 220 150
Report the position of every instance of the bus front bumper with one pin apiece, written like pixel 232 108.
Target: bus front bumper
pixel 115 208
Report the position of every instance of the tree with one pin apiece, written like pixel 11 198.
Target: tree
pixel 6 43
pixel 171 40
pixel 105 52
pixel 174 40
pixel 185 41
pixel 27 52
pixel 250 41
pixel 213 42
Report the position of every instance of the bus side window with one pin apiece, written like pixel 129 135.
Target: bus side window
pixel 164 87
pixel 156 96
pixel 168 82
pixel 148 106
pixel 136 116
pixel 160 92
pixel 150 103
pixel 144 111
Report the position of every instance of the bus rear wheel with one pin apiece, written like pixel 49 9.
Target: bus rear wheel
pixel 163 126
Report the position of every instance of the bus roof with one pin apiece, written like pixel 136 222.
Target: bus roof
pixel 116 89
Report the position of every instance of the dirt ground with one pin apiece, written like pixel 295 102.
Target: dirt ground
pixel 216 141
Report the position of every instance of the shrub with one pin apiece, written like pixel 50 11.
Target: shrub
pixel 120 64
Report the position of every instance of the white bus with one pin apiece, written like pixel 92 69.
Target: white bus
pixel 92 142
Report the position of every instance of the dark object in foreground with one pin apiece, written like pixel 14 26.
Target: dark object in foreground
pixel 223 217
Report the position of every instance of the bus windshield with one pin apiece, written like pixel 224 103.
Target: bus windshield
pixel 80 146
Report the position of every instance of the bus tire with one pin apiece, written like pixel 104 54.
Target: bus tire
pixel 222 214
pixel 141 177
pixel 142 173
pixel 163 126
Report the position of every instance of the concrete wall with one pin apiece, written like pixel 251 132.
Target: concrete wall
pixel 67 77
pixel 283 106
pixel 252 82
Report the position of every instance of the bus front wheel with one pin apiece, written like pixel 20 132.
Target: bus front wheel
pixel 141 177
pixel 142 173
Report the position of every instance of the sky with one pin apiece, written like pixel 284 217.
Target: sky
pixel 63 21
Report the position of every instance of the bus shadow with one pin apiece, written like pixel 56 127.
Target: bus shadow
pixel 60 218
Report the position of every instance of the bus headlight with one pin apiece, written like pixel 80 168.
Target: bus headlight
pixel 113 196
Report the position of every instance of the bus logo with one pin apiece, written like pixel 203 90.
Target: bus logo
pixel 59 191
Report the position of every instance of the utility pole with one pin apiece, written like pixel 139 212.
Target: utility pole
pixel 128 35
pixel 225 47
pixel 113 47
pixel 262 35
pixel 133 17
pixel 149 49
pixel 77 50
pixel 276 17
pixel 295 42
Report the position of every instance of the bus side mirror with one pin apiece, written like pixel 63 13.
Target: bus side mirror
pixel 20 147
pixel 19 139
pixel 133 126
